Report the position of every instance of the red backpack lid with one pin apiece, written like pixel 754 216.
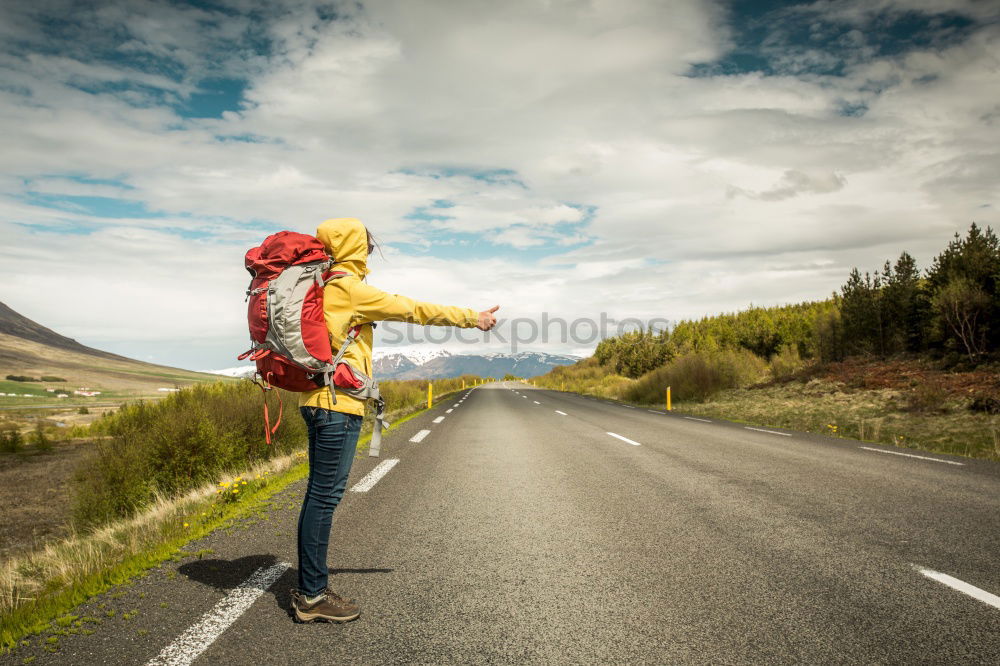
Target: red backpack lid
pixel 283 249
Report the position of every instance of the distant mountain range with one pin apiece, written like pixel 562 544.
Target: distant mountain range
pixel 421 364
pixel 440 364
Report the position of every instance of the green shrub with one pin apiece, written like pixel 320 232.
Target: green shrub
pixel 50 378
pixel 11 440
pixel 176 444
pixel 83 410
pixel 785 363
pixel 697 376
pixel 40 439
pixel 21 378
pixel 586 376
pixel 192 437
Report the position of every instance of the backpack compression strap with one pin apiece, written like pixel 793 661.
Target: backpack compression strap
pixel 265 386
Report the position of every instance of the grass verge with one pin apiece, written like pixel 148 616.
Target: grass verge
pixel 877 416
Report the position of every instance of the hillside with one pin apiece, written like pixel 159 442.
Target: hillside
pixel 17 325
pixel 30 349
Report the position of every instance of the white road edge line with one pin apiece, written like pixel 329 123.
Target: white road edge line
pixel 773 432
pixel 961 586
pixel 374 476
pixel 695 418
pixel 439 419
pixel 563 413
pixel 624 439
pixel 910 455
pixel 419 436
pixel 186 647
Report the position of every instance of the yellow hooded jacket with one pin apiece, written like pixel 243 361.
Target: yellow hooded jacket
pixel 350 302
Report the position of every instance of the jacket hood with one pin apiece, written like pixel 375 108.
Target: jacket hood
pixel 346 239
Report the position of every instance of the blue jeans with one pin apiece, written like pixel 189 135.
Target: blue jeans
pixel 333 439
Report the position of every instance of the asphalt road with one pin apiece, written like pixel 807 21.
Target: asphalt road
pixel 539 526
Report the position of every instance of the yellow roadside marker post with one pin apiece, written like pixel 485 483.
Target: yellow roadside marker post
pixel 430 395
pixel 669 408
pixel 463 384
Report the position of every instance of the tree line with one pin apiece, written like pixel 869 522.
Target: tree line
pixel 950 311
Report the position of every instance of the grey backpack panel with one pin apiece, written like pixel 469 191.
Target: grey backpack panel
pixel 285 296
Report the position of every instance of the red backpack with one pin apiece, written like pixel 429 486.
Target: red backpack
pixel 291 346
pixel 290 341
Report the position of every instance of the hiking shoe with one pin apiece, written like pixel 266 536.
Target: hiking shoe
pixel 330 607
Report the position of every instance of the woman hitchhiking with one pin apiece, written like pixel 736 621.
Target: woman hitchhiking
pixel 334 426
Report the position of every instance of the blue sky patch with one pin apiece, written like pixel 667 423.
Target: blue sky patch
pixel 485 175
pixel 214 97
pixel 798 38
pixel 434 212
pixel 73 229
pixel 104 207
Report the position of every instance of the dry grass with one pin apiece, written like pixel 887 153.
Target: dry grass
pixel 36 586
pixel 883 415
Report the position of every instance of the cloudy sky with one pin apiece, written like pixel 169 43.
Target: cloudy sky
pixel 570 157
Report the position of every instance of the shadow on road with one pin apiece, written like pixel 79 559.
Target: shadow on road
pixel 224 575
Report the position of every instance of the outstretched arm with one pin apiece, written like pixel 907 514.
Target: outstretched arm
pixel 372 304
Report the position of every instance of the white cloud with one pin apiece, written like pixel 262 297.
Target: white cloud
pixel 585 105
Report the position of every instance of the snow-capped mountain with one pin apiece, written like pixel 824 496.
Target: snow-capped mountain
pixel 423 363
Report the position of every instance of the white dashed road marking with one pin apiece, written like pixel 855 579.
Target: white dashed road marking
pixel 439 419
pixel 962 586
pixel 624 439
pixel 449 411
pixel 562 413
pixel 695 418
pixel 420 435
pixel 456 404
pixel 197 638
pixel 536 402
pixel 910 455
pixel 653 411
pixel 371 478
pixel 772 432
